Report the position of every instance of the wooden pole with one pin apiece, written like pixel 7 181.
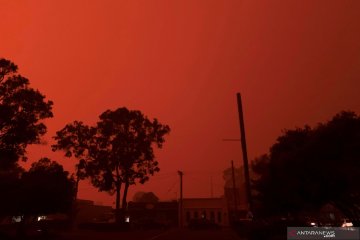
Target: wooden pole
pixel 244 151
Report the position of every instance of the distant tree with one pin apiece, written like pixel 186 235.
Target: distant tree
pixel 309 167
pixel 148 197
pixel 46 189
pixel 76 140
pixel 21 110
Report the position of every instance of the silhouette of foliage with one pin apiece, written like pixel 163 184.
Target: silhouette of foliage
pixel 118 150
pixel 21 110
pixel 46 188
pixel 125 149
pixel 309 167
pixel 76 139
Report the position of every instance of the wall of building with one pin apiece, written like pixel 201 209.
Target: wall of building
pixel 165 213
pixel 212 209
pixel 87 211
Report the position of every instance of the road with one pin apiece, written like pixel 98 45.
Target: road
pixel 172 234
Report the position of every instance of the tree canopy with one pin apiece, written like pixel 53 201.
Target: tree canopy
pixel 22 110
pixel 309 167
pixel 76 139
pixel 46 188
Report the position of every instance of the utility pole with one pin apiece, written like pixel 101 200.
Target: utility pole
pixel 181 200
pixel 244 151
pixel 234 191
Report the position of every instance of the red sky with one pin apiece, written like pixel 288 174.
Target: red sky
pixel 295 63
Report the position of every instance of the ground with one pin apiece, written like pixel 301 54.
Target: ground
pixel 172 234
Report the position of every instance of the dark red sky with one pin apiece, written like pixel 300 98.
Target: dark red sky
pixel 295 62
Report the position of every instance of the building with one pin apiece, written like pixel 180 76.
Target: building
pixel 160 213
pixel 213 209
pixel 87 212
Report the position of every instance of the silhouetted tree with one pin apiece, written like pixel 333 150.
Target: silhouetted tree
pixel 46 188
pixel 309 167
pixel 21 110
pixel 76 140
pixel 118 150
pixel 125 151
pixel 148 197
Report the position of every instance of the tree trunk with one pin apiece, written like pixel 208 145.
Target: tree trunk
pixel 124 202
pixel 76 188
pixel 117 206
pixel 74 208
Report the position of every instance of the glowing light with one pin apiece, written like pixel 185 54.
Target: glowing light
pixel 41 218
pixel 16 219
pixel 347 224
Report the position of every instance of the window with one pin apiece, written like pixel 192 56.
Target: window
pixel 196 215
pixel 219 217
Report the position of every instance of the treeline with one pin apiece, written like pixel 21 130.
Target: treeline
pixel 114 154
pixel 310 167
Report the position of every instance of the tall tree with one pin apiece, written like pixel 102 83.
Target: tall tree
pixel 125 150
pixel 309 167
pixel 22 110
pixel 118 151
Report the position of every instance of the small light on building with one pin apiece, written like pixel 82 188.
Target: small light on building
pixel 127 219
